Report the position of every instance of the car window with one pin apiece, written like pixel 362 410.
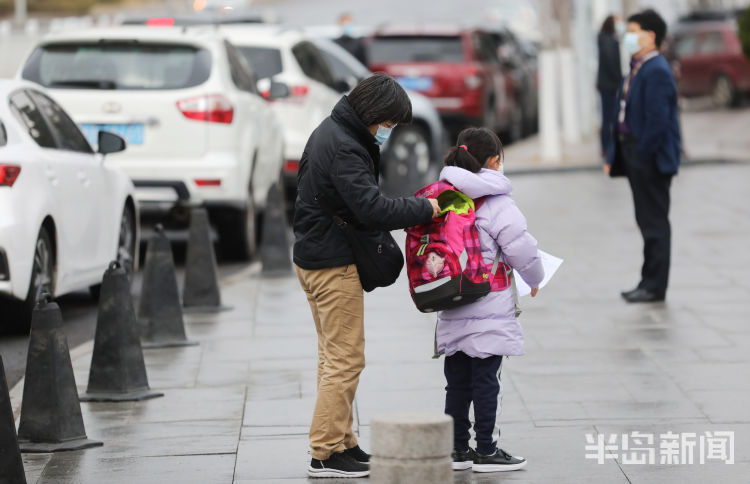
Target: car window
pixel 712 43
pixel 485 47
pixel 118 65
pixel 342 70
pixel 66 132
pixel 240 70
pixel 266 61
pixel 30 117
pixel 3 134
pixel 412 48
pixel 686 46
pixel 312 63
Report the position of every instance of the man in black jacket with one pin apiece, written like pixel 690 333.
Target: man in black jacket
pixel 340 165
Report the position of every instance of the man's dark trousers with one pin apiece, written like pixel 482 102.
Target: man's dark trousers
pixel 650 190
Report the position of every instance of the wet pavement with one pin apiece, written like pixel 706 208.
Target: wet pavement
pixel 237 407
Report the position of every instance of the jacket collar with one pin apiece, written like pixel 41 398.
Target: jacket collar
pixel 344 115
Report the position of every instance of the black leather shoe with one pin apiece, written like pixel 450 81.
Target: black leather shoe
pixel 643 296
pixel 627 294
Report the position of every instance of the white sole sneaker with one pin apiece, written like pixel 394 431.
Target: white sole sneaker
pixel 462 466
pixel 498 467
pixel 319 473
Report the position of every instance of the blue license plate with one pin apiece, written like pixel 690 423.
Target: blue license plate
pixel 415 83
pixel 131 133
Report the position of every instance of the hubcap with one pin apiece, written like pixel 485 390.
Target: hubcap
pixel 125 246
pixel 42 268
pixel 411 154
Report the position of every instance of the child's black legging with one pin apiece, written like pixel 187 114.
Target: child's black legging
pixel 473 380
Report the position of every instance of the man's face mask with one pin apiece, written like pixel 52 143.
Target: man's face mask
pixel 382 134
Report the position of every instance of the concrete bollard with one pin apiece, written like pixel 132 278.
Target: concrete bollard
pixel 411 448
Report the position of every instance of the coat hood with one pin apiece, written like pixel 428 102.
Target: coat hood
pixel 476 185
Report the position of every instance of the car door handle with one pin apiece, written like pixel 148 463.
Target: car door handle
pixel 83 178
pixel 51 176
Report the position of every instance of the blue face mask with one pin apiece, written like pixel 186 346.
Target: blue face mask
pixel 630 42
pixel 382 135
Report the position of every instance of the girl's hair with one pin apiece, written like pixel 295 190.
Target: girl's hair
pixel 480 143
pixel 608 26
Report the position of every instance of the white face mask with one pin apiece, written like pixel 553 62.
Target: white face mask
pixel 630 42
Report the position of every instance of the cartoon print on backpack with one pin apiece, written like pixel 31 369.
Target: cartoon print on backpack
pixel 434 264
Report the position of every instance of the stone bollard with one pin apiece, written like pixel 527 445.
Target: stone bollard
pixel 411 448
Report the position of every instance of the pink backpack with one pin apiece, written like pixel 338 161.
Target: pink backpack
pixel 444 259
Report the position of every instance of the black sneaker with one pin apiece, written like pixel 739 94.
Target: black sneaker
pixel 359 455
pixel 338 465
pixel 498 462
pixel 463 460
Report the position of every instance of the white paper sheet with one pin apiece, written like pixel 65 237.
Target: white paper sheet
pixel 550 264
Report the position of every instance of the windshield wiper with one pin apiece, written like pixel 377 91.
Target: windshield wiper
pixel 83 83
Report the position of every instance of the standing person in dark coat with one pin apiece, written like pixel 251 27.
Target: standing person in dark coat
pixel 340 164
pixel 646 148
pixel 349 41
pixel 609 75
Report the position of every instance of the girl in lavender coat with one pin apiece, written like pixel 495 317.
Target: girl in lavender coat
pixel 475 337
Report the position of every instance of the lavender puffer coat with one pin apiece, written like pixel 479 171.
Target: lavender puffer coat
pixel 489 326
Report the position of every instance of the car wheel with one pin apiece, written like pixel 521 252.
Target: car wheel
pixel 723 93
pixel 42 279
pixel 489 119
pixel 407 160
pixel 238 232
pixel 125 247
pixel 515 130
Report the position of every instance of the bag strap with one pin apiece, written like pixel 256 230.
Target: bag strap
pixel 496 264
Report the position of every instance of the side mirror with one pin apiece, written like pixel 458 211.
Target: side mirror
pixel 342 85
pixel 109 143
pixel 278 90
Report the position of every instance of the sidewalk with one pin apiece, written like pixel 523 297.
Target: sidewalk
pixel 727 143
pixel 237 407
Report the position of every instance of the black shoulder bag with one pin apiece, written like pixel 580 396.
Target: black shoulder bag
pixel 377 255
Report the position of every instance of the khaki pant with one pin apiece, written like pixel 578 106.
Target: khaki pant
pixel 337 304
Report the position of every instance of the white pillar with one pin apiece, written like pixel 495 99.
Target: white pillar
pixel 20 12
pixel 569 97
pixel 549 129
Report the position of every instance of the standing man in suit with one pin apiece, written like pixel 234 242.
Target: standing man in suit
pixel 646 147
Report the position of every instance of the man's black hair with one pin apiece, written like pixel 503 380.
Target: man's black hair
pixel 378 99
pixel 651 21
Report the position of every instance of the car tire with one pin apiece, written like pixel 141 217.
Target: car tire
pixel 125 248
pixel 515 130
pixel 723 92
pixel 489 118
pixel 42 279
pixel 407 160
pixel 238 232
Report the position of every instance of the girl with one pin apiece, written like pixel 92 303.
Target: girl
pixel 475 337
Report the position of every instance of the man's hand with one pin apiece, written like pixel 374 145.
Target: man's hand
pixel 534 292
pixel 435 207
pixel 606 167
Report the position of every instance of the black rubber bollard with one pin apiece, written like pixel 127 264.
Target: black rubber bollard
pixel 274 248
pixel 201 293
pixel 118 372
pixel 11 465
pixel 160 311
pixel 51 418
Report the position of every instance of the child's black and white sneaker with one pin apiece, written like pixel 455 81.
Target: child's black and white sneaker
pixel 338 465
pixel 359 455
pixel 498 462
pixel 463 460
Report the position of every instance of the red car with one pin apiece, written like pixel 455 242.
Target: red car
pixel 708 60
pixel 458 70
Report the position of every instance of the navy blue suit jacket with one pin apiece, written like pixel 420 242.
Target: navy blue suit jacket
pixel 652 116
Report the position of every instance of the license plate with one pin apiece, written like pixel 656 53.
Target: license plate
pixel 415 83
pixel 131 133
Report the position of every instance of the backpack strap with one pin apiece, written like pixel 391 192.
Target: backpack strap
pixel 495 265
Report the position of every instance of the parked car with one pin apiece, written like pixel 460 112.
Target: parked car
pixel 707 60
pixel 187 103
pixel 520 63
pixel 458 69
pixel 65 212
pixel 315 73
pixel 413 154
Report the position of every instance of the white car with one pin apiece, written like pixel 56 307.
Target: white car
pixel 186 102
pixel 317 72
pixel 65 214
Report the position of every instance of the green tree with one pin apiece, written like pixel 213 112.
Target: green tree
pixel 744 31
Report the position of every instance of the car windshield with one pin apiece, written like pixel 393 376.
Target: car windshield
pixel 265 61
pixel 416 49
pixel 118 66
